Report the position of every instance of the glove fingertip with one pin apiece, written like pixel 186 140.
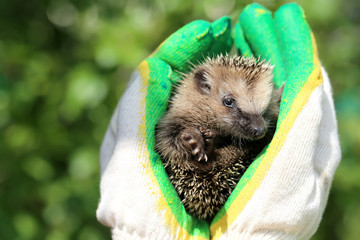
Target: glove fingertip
pixel 185 45
pixel 292 8
pixel 221 32
pixel 200 28
pixel 295 37
pixel 221 26
pixel 254 10
pixel 291 16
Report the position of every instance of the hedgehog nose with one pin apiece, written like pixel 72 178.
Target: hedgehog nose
pixel 259 131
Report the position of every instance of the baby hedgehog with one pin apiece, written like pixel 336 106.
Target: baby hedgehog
pixel 223 113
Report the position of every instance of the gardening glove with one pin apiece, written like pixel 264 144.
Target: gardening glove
pixel 137 199
pixel 283 193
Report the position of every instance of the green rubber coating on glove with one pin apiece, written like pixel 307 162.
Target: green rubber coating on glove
pixel 158 92
pixel 221 31
pixel 292 89
pixel 294 36
pixel 187 45
pixel 295 43
pixel 193 42
pixel 222 42
pixel 241 45
pixel 258 26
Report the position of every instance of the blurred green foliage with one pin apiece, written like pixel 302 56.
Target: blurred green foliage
pixel 65 63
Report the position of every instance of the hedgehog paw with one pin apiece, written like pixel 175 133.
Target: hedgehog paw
pixel 196 145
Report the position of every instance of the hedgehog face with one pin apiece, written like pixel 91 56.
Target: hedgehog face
pixel 239 92
pixel 236 122
pixel 241 108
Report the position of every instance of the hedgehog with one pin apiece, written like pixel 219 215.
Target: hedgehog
pixel 221 116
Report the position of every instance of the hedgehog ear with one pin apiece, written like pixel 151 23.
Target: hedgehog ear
pixel 280 91
pixel 201 82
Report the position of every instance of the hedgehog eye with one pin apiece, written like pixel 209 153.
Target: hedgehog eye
pixel 229 102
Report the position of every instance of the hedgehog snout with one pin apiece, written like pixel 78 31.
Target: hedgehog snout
pixel 258 131
pixel 257 128
pixel 253 126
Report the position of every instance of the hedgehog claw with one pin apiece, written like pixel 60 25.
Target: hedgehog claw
pixel 194 142
pixel 205 158
pixel 202 157
pixel 207 133
pixel 202 130
pixel 196 151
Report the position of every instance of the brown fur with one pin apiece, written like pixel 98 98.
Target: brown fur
pixel 222 115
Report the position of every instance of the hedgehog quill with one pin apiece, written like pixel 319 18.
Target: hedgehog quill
pixel 222 115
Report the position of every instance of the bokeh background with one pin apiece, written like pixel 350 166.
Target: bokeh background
pixel 65 63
